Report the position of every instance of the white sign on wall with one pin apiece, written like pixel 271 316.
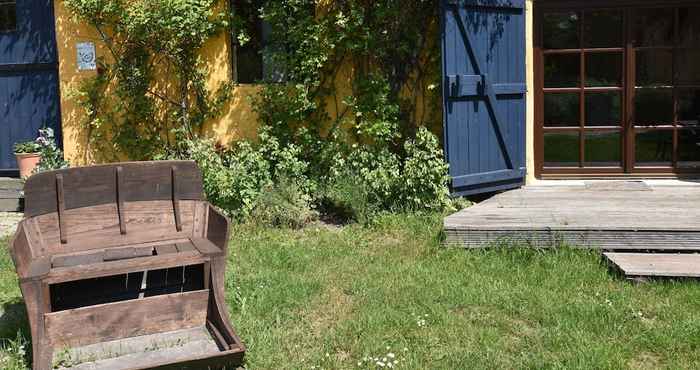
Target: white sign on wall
pixel 87 60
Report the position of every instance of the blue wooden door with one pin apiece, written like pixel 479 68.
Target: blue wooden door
pixel 29 97
pixel 483 45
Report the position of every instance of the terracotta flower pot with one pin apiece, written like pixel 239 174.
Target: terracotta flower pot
pixel 26 163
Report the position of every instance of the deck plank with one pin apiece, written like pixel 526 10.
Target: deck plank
pixel 656 264
pixel 589 217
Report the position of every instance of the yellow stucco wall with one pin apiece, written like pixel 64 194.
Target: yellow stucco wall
pixel 237 121
pixel 68 34
pixel 530 97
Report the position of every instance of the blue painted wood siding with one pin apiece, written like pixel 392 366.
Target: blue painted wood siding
pixel 483 44
pixel 29 86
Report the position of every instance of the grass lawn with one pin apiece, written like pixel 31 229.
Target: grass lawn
pixel 336 298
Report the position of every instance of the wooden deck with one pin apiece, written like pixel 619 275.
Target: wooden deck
pixel 608 215
pixel 635 265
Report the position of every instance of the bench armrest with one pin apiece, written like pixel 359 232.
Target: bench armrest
pixel 27 266
pixel 218 228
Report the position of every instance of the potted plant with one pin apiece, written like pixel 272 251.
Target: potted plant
pixel 39 155
pixel 28 154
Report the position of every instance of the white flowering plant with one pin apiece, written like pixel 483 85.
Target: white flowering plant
pixel 51 154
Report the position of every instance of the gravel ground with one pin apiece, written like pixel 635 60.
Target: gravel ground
pixel 8 223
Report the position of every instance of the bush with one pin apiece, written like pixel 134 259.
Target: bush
pixel 346 199
pixel 51 155
pixel 282 185
pixel 425 174
pixel 233 180
pixel 284 204
pixel 262 178
pixel 369 181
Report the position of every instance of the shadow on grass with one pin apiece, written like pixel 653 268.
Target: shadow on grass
pixel 14 325
pixel 13 320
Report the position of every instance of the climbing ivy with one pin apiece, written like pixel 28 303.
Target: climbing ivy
pixel 386 50
pixel 150 89
pixel 370 137
pixel 342 119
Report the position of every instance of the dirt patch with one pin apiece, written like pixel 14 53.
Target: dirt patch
pixel 645 360
pixel 334 306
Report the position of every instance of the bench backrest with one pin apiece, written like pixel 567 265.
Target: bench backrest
pixel 110 205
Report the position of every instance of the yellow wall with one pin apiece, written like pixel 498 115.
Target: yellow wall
pixel 237 121
pixel 530 97
pixel 68 34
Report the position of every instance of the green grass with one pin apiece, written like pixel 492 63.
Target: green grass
pixel 329 298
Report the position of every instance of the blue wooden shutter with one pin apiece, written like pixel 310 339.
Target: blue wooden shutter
pixel 483 45
pixel 29 95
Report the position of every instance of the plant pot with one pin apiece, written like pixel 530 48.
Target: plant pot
pixel 27 162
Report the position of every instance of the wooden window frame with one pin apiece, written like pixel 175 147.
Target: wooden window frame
pixel 627 130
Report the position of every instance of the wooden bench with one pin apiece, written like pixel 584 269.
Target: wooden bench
pixel 122 267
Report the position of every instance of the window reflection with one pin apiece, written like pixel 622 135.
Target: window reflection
pixel 602 29
pixel 561 31
pixel 561 149
pixel 562 70
pixel 654 148
pixel 689 107
pixel 602 149
pixel 561 110
pixel 653 27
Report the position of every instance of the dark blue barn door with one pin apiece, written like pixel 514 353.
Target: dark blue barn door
pixel 28 75
pixel 484 93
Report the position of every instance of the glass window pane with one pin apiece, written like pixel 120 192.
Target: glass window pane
pixel 688 67
pixel 602 149
pixel 561 31
pixel 562 70
pixel 654 148
pixel 653 107
pixel 603 69
pixel 561 149
pixel 8 16
pixel 603 109
pixel 602 29
pixel 689 148
pixel 249 57
pixel 689 26
pixel 561 110
pixel 689 107
pixel 653 27
pixel 654 68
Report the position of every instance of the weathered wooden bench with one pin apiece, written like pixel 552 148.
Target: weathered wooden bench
pixel 122 267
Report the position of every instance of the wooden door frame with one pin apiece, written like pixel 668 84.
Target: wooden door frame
pixel 628 75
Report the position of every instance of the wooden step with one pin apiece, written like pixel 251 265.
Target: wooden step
pixel 11 200
pixel 12 183
pixel 656 264
pixel 11 197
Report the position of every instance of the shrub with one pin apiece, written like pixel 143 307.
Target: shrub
pixel 381 180
pixel 51 155
pixel 263 178
pixel 425 174
pixel 284 204
pixel 275 185
pixel 233 180
pixel 346 199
